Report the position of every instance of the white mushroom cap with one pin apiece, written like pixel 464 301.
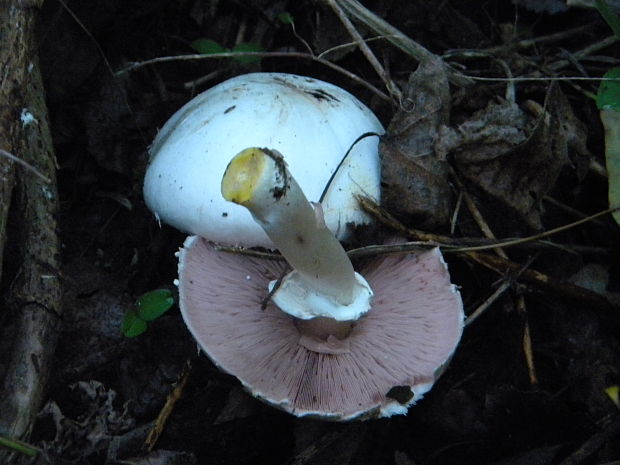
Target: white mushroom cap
pixel 389 360
pixel 310 121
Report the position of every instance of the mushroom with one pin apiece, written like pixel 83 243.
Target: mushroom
pixel 330 343
pixel 313 122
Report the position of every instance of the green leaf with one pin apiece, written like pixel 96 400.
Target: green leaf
pixel 132 325
pixel 609 16
pixel 18 446
pixel 611 124
pixel 154 304
pixel 286 18
pixel 608 95
pixel 207 46
pixel 614 394
pixel 247 47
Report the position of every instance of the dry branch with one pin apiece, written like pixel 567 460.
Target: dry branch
pixel 32 308
pixel 361 14
pixel 16 25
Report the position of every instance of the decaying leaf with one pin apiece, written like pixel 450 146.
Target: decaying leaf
pixel 575 132
pixel 91 431
pixel 514 157
pixel 414 177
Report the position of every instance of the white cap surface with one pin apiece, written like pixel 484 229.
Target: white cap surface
pixel 312 123
pixel 389 360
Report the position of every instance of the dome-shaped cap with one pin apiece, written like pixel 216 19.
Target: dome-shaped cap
pixel 311 122
pixel 391 357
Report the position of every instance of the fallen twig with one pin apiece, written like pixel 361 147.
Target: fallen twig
pixel 359 12
pixel 166 410
pixel 22 163
pixel 305 56
pixel 34 294
pixel 526 342
pixel 365 49
pixel 464 244
pixel 475 212
pixel 506 284
pixel 501 265
pixel 567 291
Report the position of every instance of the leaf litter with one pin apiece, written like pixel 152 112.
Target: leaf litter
pixel 509 155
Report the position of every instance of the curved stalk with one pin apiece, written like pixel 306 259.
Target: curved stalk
pixel 323 282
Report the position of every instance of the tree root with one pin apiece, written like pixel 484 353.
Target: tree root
pixel 29 204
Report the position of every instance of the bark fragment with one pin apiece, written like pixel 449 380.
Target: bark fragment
pixel 30 204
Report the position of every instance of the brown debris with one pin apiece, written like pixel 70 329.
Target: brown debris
pixel 414 176
pixel 513 157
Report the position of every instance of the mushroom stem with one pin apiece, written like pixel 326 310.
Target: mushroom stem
pixel 323 282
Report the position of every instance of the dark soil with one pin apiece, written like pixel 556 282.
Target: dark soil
pixel 107 390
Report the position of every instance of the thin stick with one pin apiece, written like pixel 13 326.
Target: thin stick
pixel 359 12
pixel 498 264
pixel 18 446
pixel 28 166
pixel 164 414
pixel 567 291
pixel 568 209
pixel 365 49
pixel 301 39
pixel 348 45
pixel 455 214
pixel 488 302
pixel 384 217
pixel 584 52
pixel 526 342
pixel 550 232
pixel 525 43
pixel 454 245
pixel 545 78
pixel 305 56
pixel 475 212
pixel 405 247
pixel 248 252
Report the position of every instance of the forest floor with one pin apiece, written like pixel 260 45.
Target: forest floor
pixel 528 382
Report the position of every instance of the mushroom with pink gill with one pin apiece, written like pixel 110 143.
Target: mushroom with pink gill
pixel 330 342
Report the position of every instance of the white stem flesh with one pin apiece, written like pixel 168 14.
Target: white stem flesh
pixel 259 180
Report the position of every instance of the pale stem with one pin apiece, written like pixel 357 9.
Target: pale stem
pixel 259 180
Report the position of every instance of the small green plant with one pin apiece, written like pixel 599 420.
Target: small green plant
pixel 608 102
pixel 611 18
pixel 608 95
pixel 147 307
pixel 210 47
pixel 613 392
pixel 18 446
pixel 207 46
pixel 286 18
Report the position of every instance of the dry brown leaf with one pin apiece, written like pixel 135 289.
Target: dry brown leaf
pixel 414 177
pixel 96 419
pixel 514 157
